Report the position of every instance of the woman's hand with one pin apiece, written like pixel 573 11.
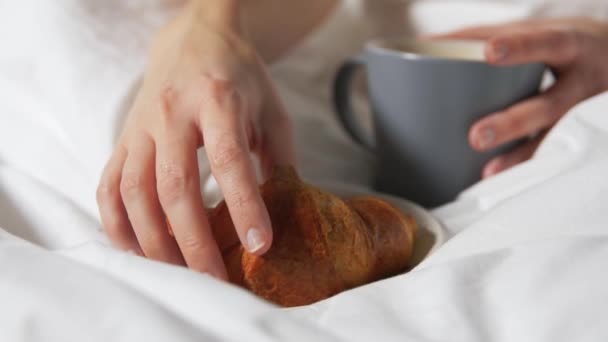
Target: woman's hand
pixel 575 49
pixel 205 86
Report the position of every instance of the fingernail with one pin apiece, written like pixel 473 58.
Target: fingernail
pixel 255 240
pixel 486 138
pixel 500 52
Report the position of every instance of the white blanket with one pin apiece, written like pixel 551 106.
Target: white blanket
pixel 526 261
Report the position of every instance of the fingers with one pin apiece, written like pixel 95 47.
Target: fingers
pixel 548 45
pixel 227 150
pixel 178 186
pixel 525 118
pixel 138 190
pixel 111 208
pixel 510 159
pixel 524 41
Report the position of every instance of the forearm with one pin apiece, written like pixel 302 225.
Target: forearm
pixel 273 26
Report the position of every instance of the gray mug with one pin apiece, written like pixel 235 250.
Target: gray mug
pixel 425 95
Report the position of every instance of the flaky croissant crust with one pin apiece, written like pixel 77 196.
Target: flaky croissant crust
pixel 322 245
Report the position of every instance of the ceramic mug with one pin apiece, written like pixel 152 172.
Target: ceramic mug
pixel 425 95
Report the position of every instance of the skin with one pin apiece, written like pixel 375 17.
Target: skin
pixel 576 50
pixel 205 86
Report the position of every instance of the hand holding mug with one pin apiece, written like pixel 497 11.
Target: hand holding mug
pixel 575 49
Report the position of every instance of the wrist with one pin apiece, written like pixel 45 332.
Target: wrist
pixel 198 18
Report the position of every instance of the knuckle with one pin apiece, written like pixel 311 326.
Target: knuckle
pixel 198 254
pixel 227 153
pixel 190 244
pixel 223 94
pixel 241 198
pixel 131 184
pixel 173 182
pixel 219 90
pixel 167 101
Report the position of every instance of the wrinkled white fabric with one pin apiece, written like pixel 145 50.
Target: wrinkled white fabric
pixel 528 250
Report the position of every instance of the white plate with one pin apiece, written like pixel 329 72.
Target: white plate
pixel 431 233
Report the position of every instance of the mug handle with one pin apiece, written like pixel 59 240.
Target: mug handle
pixel 342 101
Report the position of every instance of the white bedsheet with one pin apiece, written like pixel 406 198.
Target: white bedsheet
pixel 526 261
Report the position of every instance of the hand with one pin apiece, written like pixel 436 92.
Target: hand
pixel 204 86
pixel 575 49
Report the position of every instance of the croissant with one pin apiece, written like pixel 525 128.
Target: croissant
pixel 322 245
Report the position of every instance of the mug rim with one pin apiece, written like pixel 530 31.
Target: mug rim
pixel 375 46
